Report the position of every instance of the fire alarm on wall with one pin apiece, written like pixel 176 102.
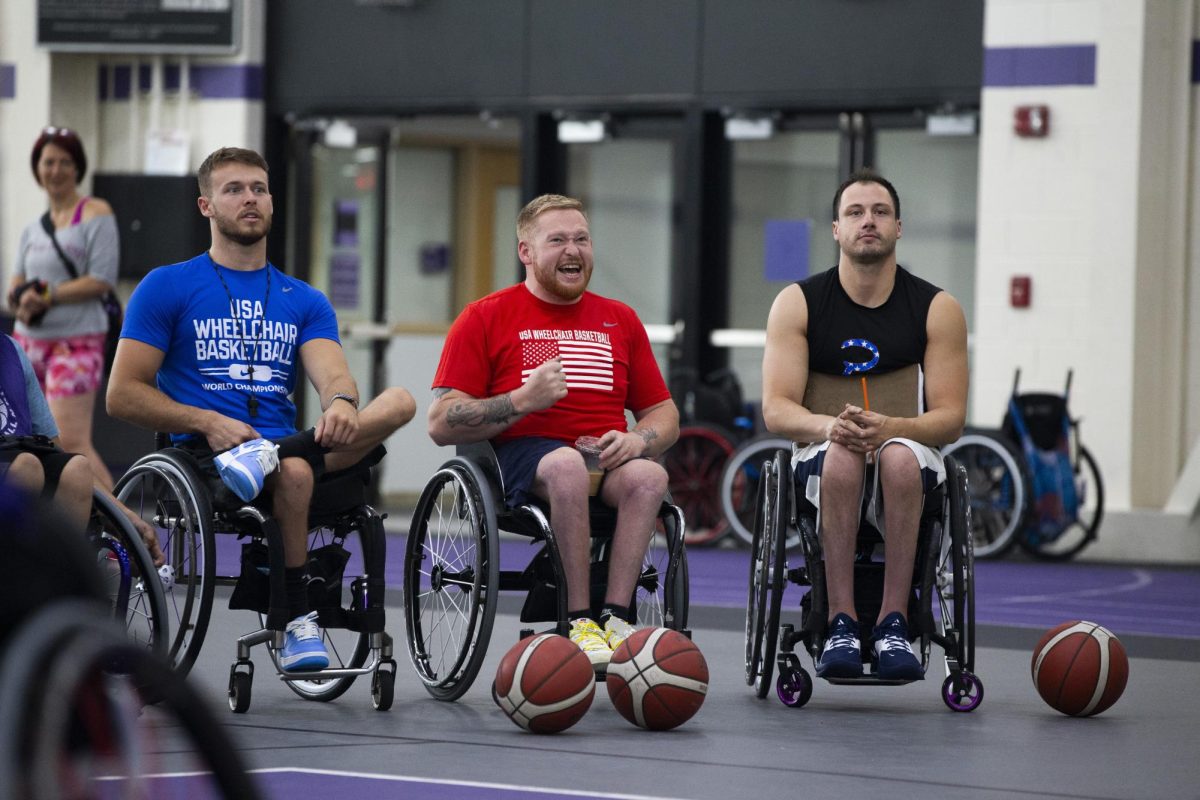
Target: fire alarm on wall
pixel 1032 121
pixel 1020 291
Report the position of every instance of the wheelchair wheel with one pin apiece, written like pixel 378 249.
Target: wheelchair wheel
pixel 661 596
pixel 347 649
pixel 74 691
pixel 694 465
pixel 997 488
pixel 451 579
pixel 739 484
pixel 164 490
pixel 1082 531
pixel 134 587
pixel 767 576
pixel 955 578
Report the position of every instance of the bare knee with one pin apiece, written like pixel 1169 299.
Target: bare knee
pixel 899 468
pixel 293 483
pixel 25 472
pixel 563 476
pixel 77 477
pixel 398 405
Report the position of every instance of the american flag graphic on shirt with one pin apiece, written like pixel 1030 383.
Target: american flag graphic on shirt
pixel 586 364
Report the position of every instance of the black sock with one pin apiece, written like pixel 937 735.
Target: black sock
pixel 297 591
pixel 584 614
pixel 614 610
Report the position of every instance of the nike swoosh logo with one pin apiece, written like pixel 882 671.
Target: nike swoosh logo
pixel 287 288
pixel 610 324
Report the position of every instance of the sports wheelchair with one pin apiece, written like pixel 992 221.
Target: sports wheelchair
pixel 452 574
pixel 131 581
pixel 166 488
pixel 941 606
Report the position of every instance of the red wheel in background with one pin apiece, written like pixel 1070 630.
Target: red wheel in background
pixel 694 466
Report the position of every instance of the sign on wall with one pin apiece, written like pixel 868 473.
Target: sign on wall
pixel 133 26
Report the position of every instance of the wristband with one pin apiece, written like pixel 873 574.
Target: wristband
pixel 348 398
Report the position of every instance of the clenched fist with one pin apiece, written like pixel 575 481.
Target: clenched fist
pixel 546 386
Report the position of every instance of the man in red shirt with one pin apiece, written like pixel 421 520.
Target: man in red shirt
pixel 533 367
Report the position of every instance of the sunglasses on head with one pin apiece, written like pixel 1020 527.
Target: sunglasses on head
pixel 53 131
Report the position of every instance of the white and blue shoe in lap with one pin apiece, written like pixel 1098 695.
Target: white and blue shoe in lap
pixel 245 468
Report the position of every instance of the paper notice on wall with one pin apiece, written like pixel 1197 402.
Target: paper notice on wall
pixel 167 152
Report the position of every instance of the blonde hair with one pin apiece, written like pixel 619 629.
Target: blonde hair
pixel 538 206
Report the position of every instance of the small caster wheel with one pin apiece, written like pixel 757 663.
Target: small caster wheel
pixel 962 691
pixel 239 692
pixel 383 685
pixel 794 687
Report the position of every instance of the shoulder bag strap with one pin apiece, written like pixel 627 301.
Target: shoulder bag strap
pixel 48 227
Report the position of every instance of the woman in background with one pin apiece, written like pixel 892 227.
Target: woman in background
pixel 61 323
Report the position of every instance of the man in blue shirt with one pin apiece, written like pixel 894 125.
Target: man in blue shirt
pixel 209 353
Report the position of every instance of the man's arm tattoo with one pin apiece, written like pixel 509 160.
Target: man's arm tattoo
pixel 477 413
pixel 648 434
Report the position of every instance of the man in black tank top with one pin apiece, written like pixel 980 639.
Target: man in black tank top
pixel 869 316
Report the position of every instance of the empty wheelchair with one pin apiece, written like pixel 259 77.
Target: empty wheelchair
pixel 941 607
pixel 453 575
pixel 191 512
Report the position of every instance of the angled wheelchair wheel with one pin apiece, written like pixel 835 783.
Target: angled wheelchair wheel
pixel 451 578
pixel 1082 531
pixel 75 689
pixel 997 486
pixel 955 580
pixel 130 577
pixel 694 465
pixel 661 596
pixel 164 490
pixel 767 577
pixel 740 480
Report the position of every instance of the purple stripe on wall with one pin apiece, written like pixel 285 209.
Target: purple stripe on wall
pixel 228 81
pixel 1064 65
pixel 212 81
pixel 1196 61
pixel 8 81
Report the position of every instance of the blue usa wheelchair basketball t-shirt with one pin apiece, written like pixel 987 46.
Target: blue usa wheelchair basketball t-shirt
pixel 221 347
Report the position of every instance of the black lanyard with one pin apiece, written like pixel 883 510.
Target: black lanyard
pixel 251 400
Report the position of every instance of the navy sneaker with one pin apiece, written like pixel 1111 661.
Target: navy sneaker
pixel 303 650
pixel 842 656
pixel 897 661
pixel 245 468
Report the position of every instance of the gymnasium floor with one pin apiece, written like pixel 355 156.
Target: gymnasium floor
pixel 847 742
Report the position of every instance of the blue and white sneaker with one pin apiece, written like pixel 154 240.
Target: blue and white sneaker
pixel 842 656
pixel 303 650
pixel 894 655
pixel 246 467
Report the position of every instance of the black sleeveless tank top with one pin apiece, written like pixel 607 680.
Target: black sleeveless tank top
pixel 845 338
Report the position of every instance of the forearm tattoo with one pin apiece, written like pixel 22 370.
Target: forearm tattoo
pixel 648 434
pixel 480 413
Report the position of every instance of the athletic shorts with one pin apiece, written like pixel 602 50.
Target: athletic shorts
pixel 518 460
pixel 66 367
pixel 53 459
pixel 809 460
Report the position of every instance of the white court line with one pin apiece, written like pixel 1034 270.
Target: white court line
pixel 1141 578
pixel 472 784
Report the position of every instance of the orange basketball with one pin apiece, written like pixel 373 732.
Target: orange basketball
pixel 1080 668
pixel 544 684
pixel 657 679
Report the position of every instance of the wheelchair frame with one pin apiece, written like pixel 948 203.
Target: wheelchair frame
pixel 452 575
pixel 167 490
pixel 944 570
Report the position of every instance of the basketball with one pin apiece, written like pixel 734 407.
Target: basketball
pixel 657 679
pixel 1080 668
pixel 544 684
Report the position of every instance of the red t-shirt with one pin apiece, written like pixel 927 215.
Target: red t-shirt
pixel 498 341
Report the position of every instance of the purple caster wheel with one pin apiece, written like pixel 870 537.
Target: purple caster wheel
pixel 794 687
pixel 962 692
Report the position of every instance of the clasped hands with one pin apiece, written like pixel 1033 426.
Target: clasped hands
pixel 857 430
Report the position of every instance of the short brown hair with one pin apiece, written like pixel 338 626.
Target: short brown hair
pixel 226 155
pixel 866 175
pixel 540 205
pixel 68 140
